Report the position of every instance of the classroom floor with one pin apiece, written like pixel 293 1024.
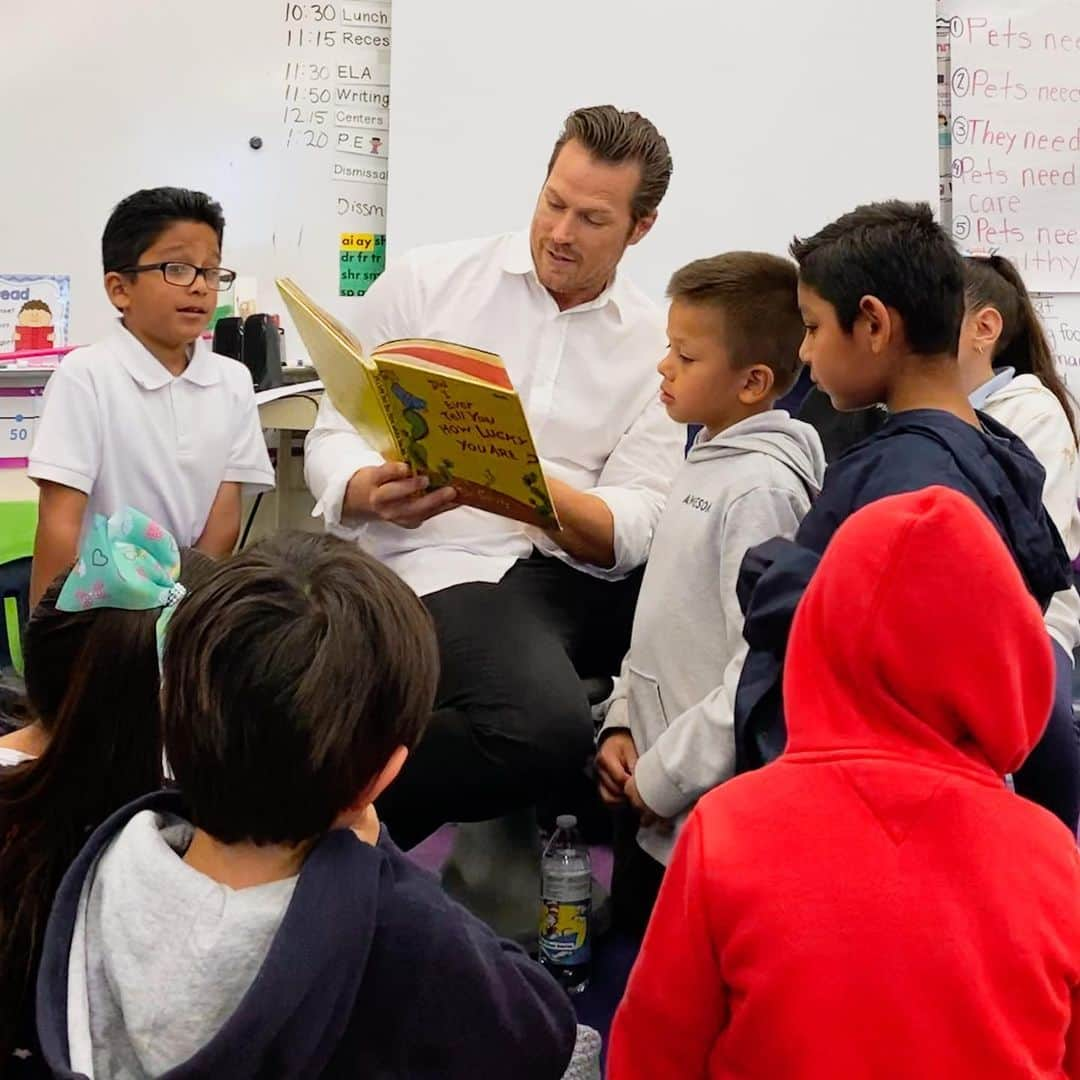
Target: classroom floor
pixel 613 953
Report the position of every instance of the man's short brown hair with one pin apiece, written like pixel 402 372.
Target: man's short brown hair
pixel 290 677
pixel 616 137
pixel 757 294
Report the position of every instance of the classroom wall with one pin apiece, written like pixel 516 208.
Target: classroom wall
pixel 102 99
pixel 780 115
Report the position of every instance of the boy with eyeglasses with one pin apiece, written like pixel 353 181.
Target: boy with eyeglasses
pixel 150 417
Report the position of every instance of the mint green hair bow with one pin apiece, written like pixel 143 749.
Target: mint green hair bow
pixel 127 562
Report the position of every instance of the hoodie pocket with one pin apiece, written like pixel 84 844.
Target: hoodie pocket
pixel 648 720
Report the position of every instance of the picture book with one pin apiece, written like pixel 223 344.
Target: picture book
pixel 447 410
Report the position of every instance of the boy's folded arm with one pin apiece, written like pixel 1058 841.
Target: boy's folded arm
pixel 617 714
pixel 776 576
pixel 487 1008
pixel 696 752
pixel 676 1004
pixel 772 580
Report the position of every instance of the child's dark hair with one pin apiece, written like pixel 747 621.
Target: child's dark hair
pixel 290 677
pixel 757 295
pixel 35 305
pixel 995 282
pixel 898 253
pixel 137 221
pixel 92 683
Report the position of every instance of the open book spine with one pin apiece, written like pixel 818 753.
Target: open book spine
pixel 381 394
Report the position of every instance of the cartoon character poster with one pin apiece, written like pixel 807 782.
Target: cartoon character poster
pixel 34 311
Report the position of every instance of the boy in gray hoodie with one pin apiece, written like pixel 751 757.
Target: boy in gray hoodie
pixel 734 330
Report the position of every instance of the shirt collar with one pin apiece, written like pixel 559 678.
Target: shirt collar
pixel 517 259
pixel 151 374
pixel 982 394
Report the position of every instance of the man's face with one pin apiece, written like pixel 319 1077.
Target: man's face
pixel 583 224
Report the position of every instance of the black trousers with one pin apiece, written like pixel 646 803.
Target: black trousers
pixel 1051 774
pixel 635 879
pixel 512 723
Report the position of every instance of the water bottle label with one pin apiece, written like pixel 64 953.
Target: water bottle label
pixel 564 932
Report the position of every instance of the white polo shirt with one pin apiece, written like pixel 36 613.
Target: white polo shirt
pixel 586 377
pixel 117 426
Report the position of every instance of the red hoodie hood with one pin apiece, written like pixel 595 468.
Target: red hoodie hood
pixel 917 637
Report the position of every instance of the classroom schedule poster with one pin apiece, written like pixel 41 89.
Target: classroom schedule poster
pixel 34 311
pixel 337 109
pixel 944 115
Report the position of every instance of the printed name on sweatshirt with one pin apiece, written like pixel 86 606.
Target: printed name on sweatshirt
pixel 698 503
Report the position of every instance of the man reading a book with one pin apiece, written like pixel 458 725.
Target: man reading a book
pixel 522 614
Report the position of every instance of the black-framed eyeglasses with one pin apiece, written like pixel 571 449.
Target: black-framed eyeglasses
pixel 184 274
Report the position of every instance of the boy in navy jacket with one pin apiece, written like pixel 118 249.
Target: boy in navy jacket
pixel 261 923
pixel 882 296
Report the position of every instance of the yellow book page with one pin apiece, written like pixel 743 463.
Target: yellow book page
pixel 347 375
pixel 468 434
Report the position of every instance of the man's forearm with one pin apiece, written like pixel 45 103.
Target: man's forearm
pixel 356 502
pixel 588 525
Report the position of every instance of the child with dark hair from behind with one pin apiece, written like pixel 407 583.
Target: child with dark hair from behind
pixel 92 689
pixel 751 473
pixel 149 416
pixel 261 923
pixel 876 903
pixel 881 291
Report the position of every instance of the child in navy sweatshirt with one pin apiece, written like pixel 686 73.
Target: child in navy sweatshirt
pixel 881 291
pixel 260 922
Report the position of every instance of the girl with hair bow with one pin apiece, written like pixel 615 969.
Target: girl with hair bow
pixel 92 681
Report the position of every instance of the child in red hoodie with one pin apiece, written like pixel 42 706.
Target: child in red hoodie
pixel 857 909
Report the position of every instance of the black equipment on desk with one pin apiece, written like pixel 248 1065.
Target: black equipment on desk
pixel 257 343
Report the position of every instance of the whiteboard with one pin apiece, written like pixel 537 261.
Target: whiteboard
pixel 103 99
pixel 1060 314
pixel 1015 136
pixel 780 114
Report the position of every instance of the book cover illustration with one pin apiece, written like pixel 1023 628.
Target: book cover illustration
pixel 448 410
pixel 468 435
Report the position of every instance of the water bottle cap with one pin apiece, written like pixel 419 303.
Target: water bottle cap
pixel 566 821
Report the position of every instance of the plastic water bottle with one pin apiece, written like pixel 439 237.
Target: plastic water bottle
pixel 566 906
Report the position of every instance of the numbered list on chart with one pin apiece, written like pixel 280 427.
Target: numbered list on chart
pixel 337 106
pixel 1015 76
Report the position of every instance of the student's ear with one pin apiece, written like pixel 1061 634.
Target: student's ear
pixel 388 774
pixel 385 777
pixel 879 325
pixel 641 228
pixel 985 325
pixel 757 384
pixel 118 289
